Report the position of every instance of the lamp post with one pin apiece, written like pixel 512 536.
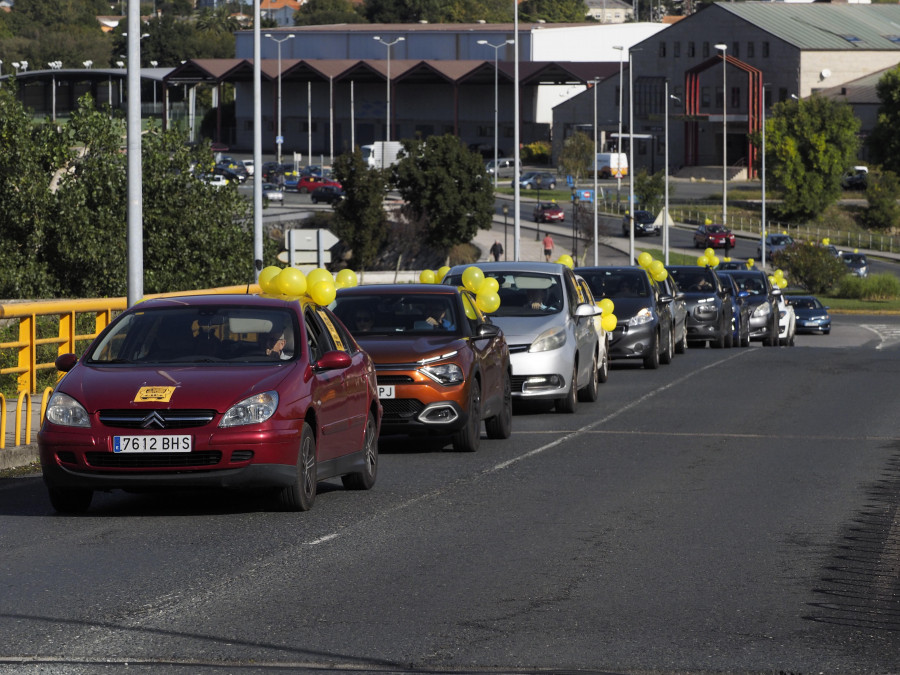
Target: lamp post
pixel 496 84
pixel 54 66
pixel 505 209
pixel 16 65
pixel 666 207
pixel 279 139
pixel 762 115
pixel 387 119
pixel 595 82
pixel 723 47
pixel 619 137
pixel 630 160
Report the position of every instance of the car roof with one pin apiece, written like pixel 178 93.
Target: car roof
pixel 216 299
pixel 545 267
pixel 400 289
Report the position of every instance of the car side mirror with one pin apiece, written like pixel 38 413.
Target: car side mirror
pixel 587 309
pixel 743 294
pixel 334 361
pixel 666 298
pixel 488 330
pixel 776 292
pixel 65 362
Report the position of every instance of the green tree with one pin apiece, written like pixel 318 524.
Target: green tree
pixel 812 267
pixel 553 11
pixel 650 190
pixel 322 12
pixel 809 145
pixel 884 141
pixel 359 218
pixel 446 189
pixel 577 155
pixel 883 193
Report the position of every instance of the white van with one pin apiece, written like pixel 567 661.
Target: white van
pixel 505 167
pixel 611 165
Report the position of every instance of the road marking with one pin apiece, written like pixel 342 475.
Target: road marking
pixel 888 334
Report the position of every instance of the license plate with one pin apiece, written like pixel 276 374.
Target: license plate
pixel 169 443
pixel 386 391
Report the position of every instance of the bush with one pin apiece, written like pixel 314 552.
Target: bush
pixel 536 153
pixel 875 287
pixel 812 267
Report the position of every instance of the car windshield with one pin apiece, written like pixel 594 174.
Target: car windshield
pixel 198 335
pixel 752 283
pixel 524 293
pixel 549 206
pixel 780 240
pixel 805 303
pixel 694 279
pixel 854 259
pixel 643 216
pixel 617 283
pixel 408 313
pixel 716 229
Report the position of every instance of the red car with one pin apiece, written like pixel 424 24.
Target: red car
pixel 713 236
pixel 548 212
pixel 443 366
pixel 227 391
pixel 310 183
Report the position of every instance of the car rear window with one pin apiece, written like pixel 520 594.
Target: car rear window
pixel 396 313
pixel 617 283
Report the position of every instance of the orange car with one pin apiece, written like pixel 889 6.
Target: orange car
pixel 442 365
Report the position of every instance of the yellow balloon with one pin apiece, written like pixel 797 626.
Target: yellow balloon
pixel 781 283
pixel 645 260
pixel 266 277
pixel 609 322
pixel 347 278
pixel 727 258
pixel 487 302
pixel 656 267
pixel 606 305
pixel 771 279
pixel 707 222
pixel 566 260
pixel 489 285
pixel 703 261
pixel 427 276
pixel 779 274
pixel 442 272
pixel 826 241
pixel 317 275
pixel 290 281
pixel 750 263
pixel 713 261
pixel 709 253
pixel 469 310
pixel 472 278
pixel 323 292
pixel 661 276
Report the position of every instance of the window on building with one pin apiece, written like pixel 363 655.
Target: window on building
pixel 719 97
pixel 691 49
pixel 750 50
pixel 705 50
pixel 676 49
pixel 735 97
pixel 765 49
pixel 662 49
pixel 736 49
pixel 704 97
pixel 782 95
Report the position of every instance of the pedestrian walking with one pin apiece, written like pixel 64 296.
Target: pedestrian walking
pixel 497 250
pixel 548 246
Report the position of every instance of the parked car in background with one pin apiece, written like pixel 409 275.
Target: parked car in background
pixel 536 180
pixel 553 346
pixel 740 309
pixel 311 182
pixel 787 322
pixel 857 264
pixel 505 167
pixel 761 296
pixel 548 212
pixel 856 179
pixel 272 173
pixel 732 265
pixel 713 236
pixel 235 165
pixel 443 367
pixel 644 224
pixel 213 391
pixel 645 328
pixel 229 175
pixel 709 310
pixel 216 180
pixel 775 243
pixel 272 192
pixel 812 316
pixel 328 194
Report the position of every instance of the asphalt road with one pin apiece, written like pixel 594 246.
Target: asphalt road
pixel 735 511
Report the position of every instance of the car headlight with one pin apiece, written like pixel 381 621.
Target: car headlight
pixel 642 317
pixel 254 410
pixel 761 310
pixel 550 339
pixel 445 373
pixel 66 411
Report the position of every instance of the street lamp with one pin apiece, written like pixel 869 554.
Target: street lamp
pixel 87 64
pixel 496 119
pixel 595 82
pixel 631 259
pixel 619 138
pixel 279 139
pixel 54 66
pixel 505 209
pixel 24 66
pixel 723 48
pixel 666 207
pixel 387 119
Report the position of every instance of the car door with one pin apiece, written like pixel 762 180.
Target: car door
pixel 488 352
pixel 585 333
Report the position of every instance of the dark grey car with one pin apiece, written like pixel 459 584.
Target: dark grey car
pixel 761 298
pixel 709 311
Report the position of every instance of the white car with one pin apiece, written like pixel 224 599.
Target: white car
pixel 214 180
pixel 272 192
pixel 248 164
pixel 554 348
pixel 787 322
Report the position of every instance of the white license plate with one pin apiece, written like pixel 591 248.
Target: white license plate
pixel 159 443
pixel 386 391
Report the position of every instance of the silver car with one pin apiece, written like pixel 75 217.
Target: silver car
pixel 554 348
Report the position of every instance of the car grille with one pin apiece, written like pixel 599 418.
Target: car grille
pixel 400 410
pixel 517 383
pixel 518 349
pixel 156 419
pixel 155 460
pixel 394 379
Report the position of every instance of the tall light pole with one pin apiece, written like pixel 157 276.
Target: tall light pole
pixel 619 138
pixel 595 82
pixel 630 160
pixel 496 49
pixel 666 207
pixel 387 119
pixel 54 66
pixel 517 153
pixel 762 115
pixel 723 48
pixel 279 139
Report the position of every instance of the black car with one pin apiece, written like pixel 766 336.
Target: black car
pixel 327 193
pixel 645 329
pixel 740 308
pixel 644 224
pixel 709 311
pixel 762 301
pixel 668 287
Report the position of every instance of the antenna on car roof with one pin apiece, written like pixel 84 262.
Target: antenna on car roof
pixel 258 265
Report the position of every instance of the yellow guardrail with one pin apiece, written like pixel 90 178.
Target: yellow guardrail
pixel 67 341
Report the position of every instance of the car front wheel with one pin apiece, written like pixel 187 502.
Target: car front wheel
pixel 591 390
pixel 70 500
pixel 301 495
pixel 468 438
pixel 567 403
pixel 651 361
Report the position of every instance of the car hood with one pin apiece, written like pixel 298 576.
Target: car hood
pixel 524 329
pixel 396 349
pixel 625 308
pixel 206 387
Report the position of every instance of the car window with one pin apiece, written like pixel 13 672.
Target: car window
pixel 473 315
pixel 317 338
pixel 694 279
pixel 198 335
pixel 524 293
pixel 395 313
pixel 617 283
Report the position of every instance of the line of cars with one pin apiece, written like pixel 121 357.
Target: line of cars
pixel 275 394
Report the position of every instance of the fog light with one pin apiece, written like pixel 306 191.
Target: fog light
pixel 542 382
pixel 439 414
